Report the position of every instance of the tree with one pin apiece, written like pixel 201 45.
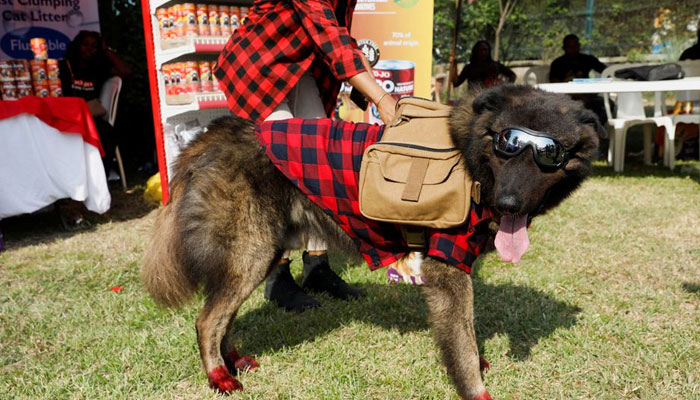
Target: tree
pixel 505 11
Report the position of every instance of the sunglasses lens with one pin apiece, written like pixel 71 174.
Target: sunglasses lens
pixel 508 141
pixel 548 152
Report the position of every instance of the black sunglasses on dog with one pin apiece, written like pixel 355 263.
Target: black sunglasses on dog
pixel 547 151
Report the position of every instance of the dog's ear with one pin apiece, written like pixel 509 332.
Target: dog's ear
pixel 490 100
pixel 588 117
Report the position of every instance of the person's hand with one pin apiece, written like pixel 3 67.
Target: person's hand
pixel 386 107
pixel 103 44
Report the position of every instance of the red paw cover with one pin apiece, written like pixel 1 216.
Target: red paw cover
pixel 483 364
pixel 221 380
pixel 245 362
pixel 234 361
pixel 483 396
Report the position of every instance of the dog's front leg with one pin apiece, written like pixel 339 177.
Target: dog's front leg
pixel 450 299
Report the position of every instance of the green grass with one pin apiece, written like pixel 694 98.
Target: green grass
pixel 605 305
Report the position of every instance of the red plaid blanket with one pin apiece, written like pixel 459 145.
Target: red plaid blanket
pixel 322 158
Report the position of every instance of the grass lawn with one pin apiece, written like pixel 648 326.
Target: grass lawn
pixel 605 305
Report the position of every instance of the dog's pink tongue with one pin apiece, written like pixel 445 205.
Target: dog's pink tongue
pixel 512 240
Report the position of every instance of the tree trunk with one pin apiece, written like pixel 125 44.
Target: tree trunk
pixel 451 73
pixel 505 12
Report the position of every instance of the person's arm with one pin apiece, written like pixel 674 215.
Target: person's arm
pixel 597 65
pixel 459 79
pixel 685 54
pixel 507 72
pixel 345 61
pixel 119 67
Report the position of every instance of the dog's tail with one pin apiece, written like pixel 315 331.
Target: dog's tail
pixel 162 273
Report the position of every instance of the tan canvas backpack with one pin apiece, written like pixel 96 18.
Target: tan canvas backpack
pixel 414 175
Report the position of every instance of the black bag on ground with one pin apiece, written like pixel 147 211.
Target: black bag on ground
pixel 651 72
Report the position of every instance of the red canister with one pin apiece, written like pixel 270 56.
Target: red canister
pixel 203 20
pixel 177 74
pixel 7 71
pixel 165 70
pixel 189 19
pixel 193 84
pixel 235 17
pixel 38 68
pixel 178 22
pixel 24 89
pixel 41 88
pixel 205 76
pixel 214 22
pixel 396 77
pixel 22 70
pixel 225 20
pixel 163 22
pixel 215 82
pixel 9 90
pixel 243 14
pixel 39 48
pixel 52 68
pixel 55 88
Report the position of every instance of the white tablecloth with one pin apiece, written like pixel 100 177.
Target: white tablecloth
pixel 620 86
pixel 39 165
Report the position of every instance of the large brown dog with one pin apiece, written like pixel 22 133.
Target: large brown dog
pixel 231 214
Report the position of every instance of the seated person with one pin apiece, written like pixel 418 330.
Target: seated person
pixel 88 63
pixel 482 70
pixel 692 52
pixel 574 64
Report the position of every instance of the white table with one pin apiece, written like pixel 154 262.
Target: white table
pixel 621 86
pixel 39 165
pixel 626 86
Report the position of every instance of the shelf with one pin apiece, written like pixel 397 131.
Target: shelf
pixel 180 47
pixel 204 101
pixel 160 3
pixel 157 4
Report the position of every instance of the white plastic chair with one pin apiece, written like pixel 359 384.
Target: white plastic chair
pixel 630 112
pixel 109 97
pixel 536 74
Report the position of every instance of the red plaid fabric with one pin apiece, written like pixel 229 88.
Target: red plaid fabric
pixel 281 40
pixel 322 158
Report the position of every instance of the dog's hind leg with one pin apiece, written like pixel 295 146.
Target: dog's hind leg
pixel 220 309
pixel 450 300
pixel 233 360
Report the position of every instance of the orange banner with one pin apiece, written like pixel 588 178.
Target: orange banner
pixel 400 34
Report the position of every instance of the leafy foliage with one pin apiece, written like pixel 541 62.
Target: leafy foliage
pixel 536 27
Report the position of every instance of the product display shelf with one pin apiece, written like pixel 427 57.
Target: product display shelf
pixel 173 49
pixel 159 3
pixel 200 108
pixel 166 3
pixel 204 101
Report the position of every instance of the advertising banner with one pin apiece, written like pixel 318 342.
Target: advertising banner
pixel 400 34
pixel 57 21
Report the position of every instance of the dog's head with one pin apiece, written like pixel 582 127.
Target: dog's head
pixel 516 186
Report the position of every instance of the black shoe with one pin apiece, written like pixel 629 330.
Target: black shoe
pixel 281 288
pixel 319 277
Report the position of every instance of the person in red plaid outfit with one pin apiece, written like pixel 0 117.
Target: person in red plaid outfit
pixel 288 61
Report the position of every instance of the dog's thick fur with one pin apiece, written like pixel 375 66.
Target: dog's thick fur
pixel 232 213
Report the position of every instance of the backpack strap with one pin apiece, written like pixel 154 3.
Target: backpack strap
pixel 414 236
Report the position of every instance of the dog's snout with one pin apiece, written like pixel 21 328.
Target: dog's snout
pixel 508 204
